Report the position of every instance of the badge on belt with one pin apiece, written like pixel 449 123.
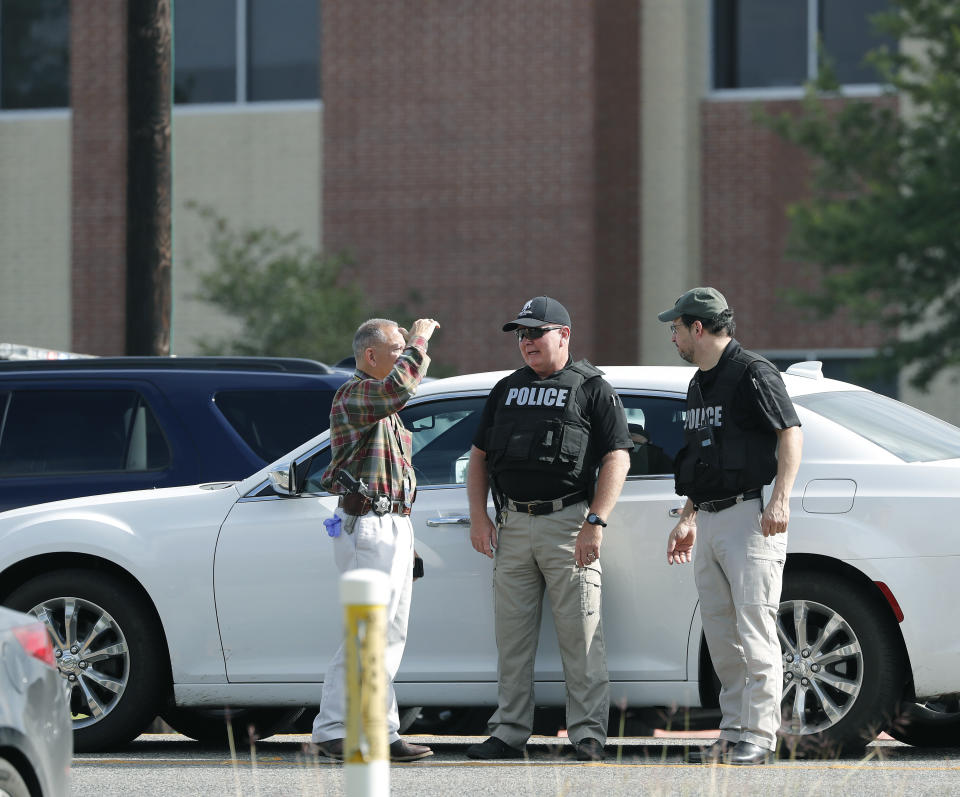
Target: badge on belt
pixel 381 504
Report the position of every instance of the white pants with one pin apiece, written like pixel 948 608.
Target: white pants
pixel 380 542
pixel 739 574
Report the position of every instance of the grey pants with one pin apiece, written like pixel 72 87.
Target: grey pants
pixel 533 553
pixel 739 574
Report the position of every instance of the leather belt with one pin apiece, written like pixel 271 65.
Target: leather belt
pixel 545 507
pixel 356 504
pixel 725 503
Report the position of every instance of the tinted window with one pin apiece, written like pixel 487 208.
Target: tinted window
pixel 274 422
pixel 80 431
pixel 283 58
pixel 442 435
pixel 315 471
pixel 758 43
pixel 205 51
pixel 765 44
pixel 904 431
pixel 656 427
pixel 848 36
pixel 34 54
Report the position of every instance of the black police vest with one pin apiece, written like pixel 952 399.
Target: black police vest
pixel 537 425
pixel 718 455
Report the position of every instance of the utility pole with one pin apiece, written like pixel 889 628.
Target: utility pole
pixel 149 179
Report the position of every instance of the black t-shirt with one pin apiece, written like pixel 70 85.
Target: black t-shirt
pixel 761 400
pixel 599 404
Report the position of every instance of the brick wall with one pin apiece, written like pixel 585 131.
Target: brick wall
pixel 750 175
pixel 98 96
pixel 462 150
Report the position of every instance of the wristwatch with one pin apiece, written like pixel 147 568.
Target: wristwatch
pixel 595 520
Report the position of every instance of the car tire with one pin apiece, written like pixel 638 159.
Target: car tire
pixel 843 666
pixel 12 783
pixel 112 651
pixel 932 723
pixel 219 727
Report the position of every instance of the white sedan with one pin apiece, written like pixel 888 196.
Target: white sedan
pixel 185 600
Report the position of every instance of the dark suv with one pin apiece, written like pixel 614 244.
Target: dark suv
pixel 87 426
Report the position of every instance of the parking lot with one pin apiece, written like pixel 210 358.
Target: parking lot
pixel 283 765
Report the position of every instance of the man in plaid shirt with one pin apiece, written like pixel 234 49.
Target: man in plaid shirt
pixel 370 443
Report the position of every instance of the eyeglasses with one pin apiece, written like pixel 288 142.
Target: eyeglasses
pixel 674 328
pixel 534 333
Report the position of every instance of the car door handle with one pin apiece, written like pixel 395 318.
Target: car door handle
pixel 675 512
pixel 456 520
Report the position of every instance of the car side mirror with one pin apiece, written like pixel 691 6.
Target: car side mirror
pixel 285 481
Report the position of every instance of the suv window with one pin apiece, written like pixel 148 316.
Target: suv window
pixel 656 427
pixel 79 431
pixel 273 422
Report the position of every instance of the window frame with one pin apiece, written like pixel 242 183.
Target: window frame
pixel 241 77
pixel 780 92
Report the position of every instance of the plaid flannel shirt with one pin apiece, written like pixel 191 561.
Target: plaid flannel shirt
pixel 367 437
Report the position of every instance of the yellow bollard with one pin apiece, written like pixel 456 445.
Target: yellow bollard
pixel 366 756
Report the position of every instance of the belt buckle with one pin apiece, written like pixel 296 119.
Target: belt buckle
pixel 530 507
pixel 381 504
pixel 739 498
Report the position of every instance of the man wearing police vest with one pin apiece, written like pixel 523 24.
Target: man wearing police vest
pixel 741 431
pixel 545 430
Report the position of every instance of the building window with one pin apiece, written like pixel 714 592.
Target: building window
pixel 774 43
pixel 246 51
pixel 847 365
pixel 34 54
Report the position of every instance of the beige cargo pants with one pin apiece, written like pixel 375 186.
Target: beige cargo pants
pixel 739 575
pixel 533 553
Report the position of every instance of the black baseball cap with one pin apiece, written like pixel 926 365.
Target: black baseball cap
pixel 698 302
pixel 539 311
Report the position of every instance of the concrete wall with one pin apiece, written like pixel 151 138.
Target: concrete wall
pixel 674 78
pixel 255 167
pixel 35 229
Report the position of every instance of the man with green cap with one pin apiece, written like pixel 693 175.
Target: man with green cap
pixel 741 432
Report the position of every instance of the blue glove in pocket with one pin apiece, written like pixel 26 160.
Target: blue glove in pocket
pixel 333 526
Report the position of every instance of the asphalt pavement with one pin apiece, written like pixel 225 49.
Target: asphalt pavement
pixel 169 764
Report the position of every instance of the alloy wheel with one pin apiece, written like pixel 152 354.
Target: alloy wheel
pixel 822 666
pixel 91 654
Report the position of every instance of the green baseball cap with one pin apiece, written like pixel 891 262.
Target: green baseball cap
pixel 698 302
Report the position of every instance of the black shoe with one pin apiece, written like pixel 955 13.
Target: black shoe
pixel 404 751
pixel 332 748
pixel 493 748
pixel 589 749
pixel 714 753
pixel 748 754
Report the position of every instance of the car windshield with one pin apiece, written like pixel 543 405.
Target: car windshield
pixel 902 430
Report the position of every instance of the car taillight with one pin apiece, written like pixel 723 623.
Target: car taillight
pixel 36 642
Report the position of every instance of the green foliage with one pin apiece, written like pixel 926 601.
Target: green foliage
pixel 291 300
pixel 883 221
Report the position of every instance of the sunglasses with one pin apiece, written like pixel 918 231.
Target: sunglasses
pixel 534 333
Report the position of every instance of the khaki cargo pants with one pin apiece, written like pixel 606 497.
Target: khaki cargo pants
pixel 533 553
pixel 739 574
